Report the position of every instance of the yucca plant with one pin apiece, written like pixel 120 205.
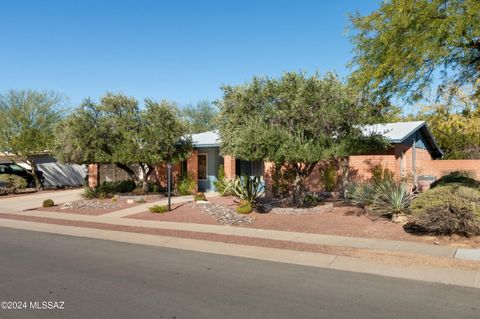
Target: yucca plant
pixel 247 188
pixel 391 197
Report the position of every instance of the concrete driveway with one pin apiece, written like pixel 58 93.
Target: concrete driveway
pixel 23 202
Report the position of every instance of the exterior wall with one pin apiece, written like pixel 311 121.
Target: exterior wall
pixel 192 167
pixel 160 174
pixel 439 168
pixel 229 166
pixel 213 162
pixel 93 175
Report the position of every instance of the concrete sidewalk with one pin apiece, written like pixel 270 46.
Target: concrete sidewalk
pixel 451 276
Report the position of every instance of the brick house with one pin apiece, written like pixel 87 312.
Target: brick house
pixel 413 152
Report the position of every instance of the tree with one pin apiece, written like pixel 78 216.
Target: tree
pixel 202 117
pixel 27 124
pixel 117 131
pixel 406 46
pixel 294 120
pixel 455 123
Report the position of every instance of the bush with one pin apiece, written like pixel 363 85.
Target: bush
pixel 186 186
pixel 154 187
pixel 311 200
pixel 391 198
pixel 447 219
pixel 199 196
pixel 221 183
pixel 125 186
pixel 12 183
pixel 362 194
pixel 459 178
pixel 329 178
pixel 245 208
pixel 48 203
pixel 158 209
pixel 453 194
pixel 139 191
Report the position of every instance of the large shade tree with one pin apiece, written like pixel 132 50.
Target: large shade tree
pixel 27 123
pixel 118 131
pixel 202 117
pixel 407 46
pixel 294 120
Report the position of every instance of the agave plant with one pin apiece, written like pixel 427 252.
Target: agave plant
pixel 391 197
pixel 247 188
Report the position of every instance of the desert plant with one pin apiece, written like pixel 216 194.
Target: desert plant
pixel 391 197
pixel 90 193
pixel 48 203
pixel 246 188
pixel 451 194
pixel 362 194
pixel 139 191
pixel 199 197
pixel 12 183
pixel 158 209
pixel 457 177
pixel 221 182
pixel 186 185
pixel 311 200
pixel 329 177
pixel 245 208
pixel 381 174
pixel 447 219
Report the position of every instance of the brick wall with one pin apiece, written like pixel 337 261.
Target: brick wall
pixel 192 167
pixel 160 174
pixel 93 175
pixel 229 166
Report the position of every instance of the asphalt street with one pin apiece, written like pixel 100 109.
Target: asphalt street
pixel 91 278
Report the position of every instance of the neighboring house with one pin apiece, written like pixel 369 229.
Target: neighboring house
pixel 56 174
pixel 413 152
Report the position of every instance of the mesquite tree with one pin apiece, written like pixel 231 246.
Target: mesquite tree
pixel 294 120
pixel 117 131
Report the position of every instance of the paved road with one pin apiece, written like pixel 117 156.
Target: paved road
pixel 103 279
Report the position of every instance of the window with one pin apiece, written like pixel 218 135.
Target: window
pixel 202 166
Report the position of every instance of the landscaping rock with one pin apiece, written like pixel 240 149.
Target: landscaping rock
pixel 88 204
pixel 224 214
pixel 130 201
pixel 399 218
pixel 298 211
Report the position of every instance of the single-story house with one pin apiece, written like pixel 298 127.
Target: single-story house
pixel 413 152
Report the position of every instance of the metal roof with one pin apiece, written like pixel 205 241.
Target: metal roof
pixel 395 133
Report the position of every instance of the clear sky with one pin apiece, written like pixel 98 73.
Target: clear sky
pixel 177 50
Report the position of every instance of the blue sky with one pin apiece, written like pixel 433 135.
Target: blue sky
pixel 177 50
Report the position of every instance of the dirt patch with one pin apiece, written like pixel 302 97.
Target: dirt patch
pixel 97 207
pixel 341 220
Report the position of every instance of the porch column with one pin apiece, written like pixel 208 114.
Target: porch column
pixel 192 167
pixel 93 175
pixel 268 170
pixel 229 166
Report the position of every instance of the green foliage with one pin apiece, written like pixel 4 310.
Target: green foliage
pixel 48 203
pixel 27 124
pixel 311 200
pixel 186 185
pixel 199 197
pixel 454 195
pixel 202 117
pixel 247 188
pixel 108 189
pixel 362 194
pixel 290 120
pixel 119 131
pixel 391 197
pixel 329 177
pixel 158 209
pixel 245 208
pixel 404 46
pixel 12 183
pixel 221 182
pixel 381 174
pixel 447 219
pixel 283 177
pixel 139 191
pixel 457 177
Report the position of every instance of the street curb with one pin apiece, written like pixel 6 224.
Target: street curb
pixel 448 276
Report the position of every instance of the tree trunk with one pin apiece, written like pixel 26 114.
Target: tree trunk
pixel 129 171
pixel 299 190
pixel 38 182
pixel 146 172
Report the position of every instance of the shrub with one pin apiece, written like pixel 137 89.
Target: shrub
pixel 453 194
pixel 391 197
pixel 125 186
pixel 90 193
pixel 362 194
pixel 221 183
pixel 381 174
pixel 12 183
pixel 245 208
pixel 48 203
pixel 158 209
pixel 247 188
pixel 154 187
pixel 199 196
pixel 459 178
pixel 447 219
pixel 329 178
pixel 186 186
pixel 311 200
pixel 139 191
